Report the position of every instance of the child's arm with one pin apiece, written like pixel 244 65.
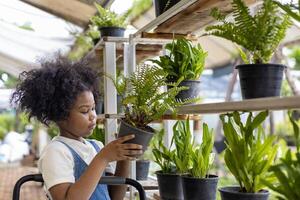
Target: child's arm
pixel 83 188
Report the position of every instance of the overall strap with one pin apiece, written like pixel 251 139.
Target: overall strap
pixel 96 147
pixel 74 153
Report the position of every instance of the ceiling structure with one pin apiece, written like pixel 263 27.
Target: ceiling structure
pixel 31 29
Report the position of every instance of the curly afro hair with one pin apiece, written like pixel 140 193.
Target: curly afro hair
pixel 49 92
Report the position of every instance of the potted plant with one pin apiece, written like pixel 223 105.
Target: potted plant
pixel 169 181
pixel 184 65
pixel 143 162
pixel 248 156
pixel 142 166
pixel 198 184
pixel 108 22
pixel 93 33
pixel 144 101
pixel 291 9
pixel 259 35
pixel 162 6
pixel 287 171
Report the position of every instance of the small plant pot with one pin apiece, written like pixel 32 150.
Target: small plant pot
pixel 230 193
pixel 142 137
pixel 200 188
pixel 193 90
pixel 142 169
pixel 260 80
pixel 170 186
pixel 112 31
pixel 161 6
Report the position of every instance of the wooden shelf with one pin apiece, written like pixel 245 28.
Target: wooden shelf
pixel 193 111
pixel 102 117
pixel 145 48
pixel 187 17
pixel 274 103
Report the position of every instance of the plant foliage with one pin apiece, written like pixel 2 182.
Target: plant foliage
pixel 142 97
pixel 107 18
pixel 202 156
pixel 259 34
pixel 183 141
pixel 291 9
pixel 185 61
pixel 162 154
pixel 287 171
pixel 249 153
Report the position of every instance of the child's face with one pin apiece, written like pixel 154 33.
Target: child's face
pixel 82 118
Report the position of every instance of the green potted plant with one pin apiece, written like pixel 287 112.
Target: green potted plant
pixel 143 162
pixel 197 182
pixel 184 65
pixel 93 33
pixel 162 6
pixel 248 156
pixel 291 9
pixel 109 22
pixel 287 171
pixel 168 178
pixel 144 101
pixel 259 35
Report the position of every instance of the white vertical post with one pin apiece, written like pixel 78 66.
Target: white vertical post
pixel 168 127
pixel 110 97
pixel 131 57
pixel 129 68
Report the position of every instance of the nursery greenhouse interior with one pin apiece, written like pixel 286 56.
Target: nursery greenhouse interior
pixel 150 99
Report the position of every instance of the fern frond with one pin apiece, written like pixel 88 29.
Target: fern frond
pixel 259 34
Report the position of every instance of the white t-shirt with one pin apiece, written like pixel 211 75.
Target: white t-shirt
pixel 56 161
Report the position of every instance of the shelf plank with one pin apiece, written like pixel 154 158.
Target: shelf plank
pixel 145 48
pixel 187 17
pixel 101 117
pixel 273 103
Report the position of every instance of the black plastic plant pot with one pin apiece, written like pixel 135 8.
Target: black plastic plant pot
pixel 260 80
pixel 142 169
pixel 230 193
pixel 170 186
pixel 161 6
pixel 193 90
pixel 200 188
pixel 112 31
pixel 142 137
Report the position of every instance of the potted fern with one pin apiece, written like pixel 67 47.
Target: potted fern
pixel 259 35
pixel 184 65
pixel 287 171
pixel 162 6
pixel 143 102
pixel 109 22
pixel 248 156
pixel 198 183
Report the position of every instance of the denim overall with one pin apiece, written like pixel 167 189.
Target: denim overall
pixel 101 191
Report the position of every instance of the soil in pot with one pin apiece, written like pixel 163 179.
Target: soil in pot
pixel 170 186
pixel 142 137
pixel 142 169
pixel 230 193
pixel 200 188
pixel 260 80
pixel 112 31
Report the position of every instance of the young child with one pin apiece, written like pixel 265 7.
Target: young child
pixel 64 93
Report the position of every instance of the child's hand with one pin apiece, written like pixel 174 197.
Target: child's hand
pixel 116 150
